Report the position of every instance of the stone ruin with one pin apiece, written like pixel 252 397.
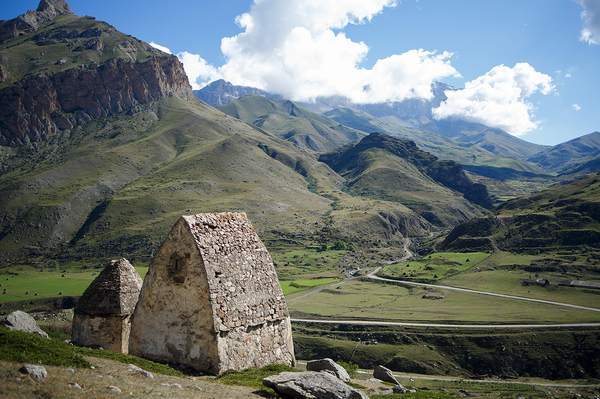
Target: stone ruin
pixel 211 299
pixel 102 317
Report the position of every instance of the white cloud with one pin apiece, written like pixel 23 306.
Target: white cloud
pixel 297 49
pixel 197 68
pixel 576 107
pixel 161 48
pixel 591 21
pixel 498 98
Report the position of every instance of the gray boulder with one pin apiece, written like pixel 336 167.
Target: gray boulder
pixel 37 372
pixel 21 321
pixel 313 385
pixel 329 365
pixel 384 374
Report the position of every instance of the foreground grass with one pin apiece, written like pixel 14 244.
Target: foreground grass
pixel 17 346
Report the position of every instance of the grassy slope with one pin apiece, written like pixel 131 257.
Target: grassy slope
pixel 564 219
pixel 505 177
pixel 22 56
pixel 291 122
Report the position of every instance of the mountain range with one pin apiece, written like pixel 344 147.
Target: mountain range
pixel 103 146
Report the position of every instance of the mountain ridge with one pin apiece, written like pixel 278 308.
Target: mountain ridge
pixel 75 70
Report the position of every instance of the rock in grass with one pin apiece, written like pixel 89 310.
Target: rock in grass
pixel 21 321
pixel 384 374
pixel 312 384
pixel 114 389
pixel 138 370
pixel 37 372
pixel 329 365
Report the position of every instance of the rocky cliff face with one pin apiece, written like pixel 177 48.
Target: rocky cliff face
pixel 36 108
pixel 78 74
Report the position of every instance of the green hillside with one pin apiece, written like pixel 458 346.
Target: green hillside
pixel 66 42
pixel 381 166
pixel 564 219
pixel 291 122
pixel 504 176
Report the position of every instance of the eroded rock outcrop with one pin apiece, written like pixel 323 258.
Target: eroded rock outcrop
pixel 28 23
pixel 36 108
pixel 212 300
pixel 103 316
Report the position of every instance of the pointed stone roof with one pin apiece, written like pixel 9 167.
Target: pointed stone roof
pixel 243 285
pixel 114 292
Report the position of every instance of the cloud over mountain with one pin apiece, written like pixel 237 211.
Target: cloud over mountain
pixel 498 98
pixel 297 49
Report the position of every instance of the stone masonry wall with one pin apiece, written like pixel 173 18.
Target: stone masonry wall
pixel 173 318
pixel 268 343
pixel 244 287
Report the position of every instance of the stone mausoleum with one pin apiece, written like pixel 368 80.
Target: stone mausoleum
pixel 102 317
pixel 211 299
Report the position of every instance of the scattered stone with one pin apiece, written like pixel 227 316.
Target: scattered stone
pixel 114 389
pixel 70 370
pixel 74 385
pixel 384 374
pixel 312 384
pixel 329 365
pixel 138 370
pixel 399 389
pixel 229 312
pixel 37 372
pixel 21 321
pixel 103 315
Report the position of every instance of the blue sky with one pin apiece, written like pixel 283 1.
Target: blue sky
pixel 530 67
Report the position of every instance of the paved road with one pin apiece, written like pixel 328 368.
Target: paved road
pixel 393 323
pixel 373 276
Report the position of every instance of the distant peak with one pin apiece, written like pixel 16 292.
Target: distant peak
pixel 55 7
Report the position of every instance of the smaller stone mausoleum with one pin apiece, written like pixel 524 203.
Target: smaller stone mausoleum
pixel 103 315
pixel 212 300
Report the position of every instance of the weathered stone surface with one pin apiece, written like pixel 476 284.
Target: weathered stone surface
pixel 229 311
pixel 312 384
pixel 384 374
pixel 34 371
pixel 103 315
pixel 330 365
pixel 38 107
pixel 21 321
pixel 29 22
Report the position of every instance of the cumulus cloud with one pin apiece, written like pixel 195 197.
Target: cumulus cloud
pixel 161 48
pixel 576 107
pixel 591 21
pixel 298 49
pixel 196 69
pixel 498 98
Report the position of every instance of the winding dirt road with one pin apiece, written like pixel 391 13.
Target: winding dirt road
pixel 373 275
